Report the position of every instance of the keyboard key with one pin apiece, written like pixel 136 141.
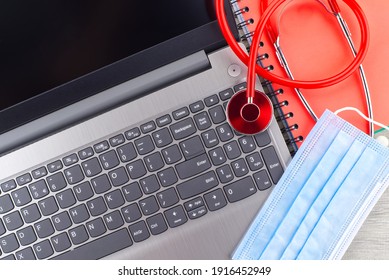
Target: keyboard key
pixel 162 137
pixel 232 150
pixel 247 144
pixel 25 254
pixel 262 139
pixel 9 243
pixel 183 129
pixel 6 204
pixel 65 199
pixel 132 133
pixel 272 163
pixel 99 248
pixel 226 94
pixel 180 113
pixel 176 216
pixel 196 107
pixel 56 182
pixel 239 167
pixel 193 204
pixel 126 152
pixel 83 191
pixel 61 221
pixel 154 162
pixel 167 198
pixel 255 161
pixel 30 213
pixel 39 189
pixel 48 206
pixel 164 120
pixel 136 169
pixel 79 214
pixel 240 189
pixel 132 192
pixel 167 177
pixel 61 242
pixel 118 177
pixel 197 185
pixel 197 213
pixel 211 100
pixel 70 159
pixel 101 147
pixel 101 184
pixel 139 231
pixel 149 184
pixel 225 133
pixel 9 257
pixel 217 156
pixel 2 228
pixel 86 153
pixel 225 174
pixel 8 186
pixel 193 167
pixel 91 167
pixel 43 249
pixel 149 205
pixel 192 147
pixel 113 220
pixel 13 220
pixel 144 145
pixel 74 174
pixel 156 224
pixel 78 235
pixel 54 166
pixel 215 200
pixel 202 121
pixel 148 127
pixel 117 140
pixel 210 138
pixel 131 213
pixel 240 87
pixel 24 179
pixel 21 196
pixel 172 154
pixel 39 173
pixel 44 228
pixel 26 236
pixel 109 160
pixel 96 227
pixel 217 114
pixel 262 180
pixel 97 206
pixel 114 199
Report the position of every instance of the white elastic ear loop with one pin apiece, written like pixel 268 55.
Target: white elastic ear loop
pixel 382 139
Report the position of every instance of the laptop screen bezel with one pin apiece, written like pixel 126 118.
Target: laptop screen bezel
pixel 208 38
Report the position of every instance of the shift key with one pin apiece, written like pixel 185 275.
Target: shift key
pixel 193 166
pixel 197 185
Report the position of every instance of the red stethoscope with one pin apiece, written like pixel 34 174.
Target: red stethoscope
pixel 250 111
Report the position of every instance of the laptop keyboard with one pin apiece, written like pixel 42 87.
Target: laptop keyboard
pixel 141 182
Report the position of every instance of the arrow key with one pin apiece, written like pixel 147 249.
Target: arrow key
pixel 176 216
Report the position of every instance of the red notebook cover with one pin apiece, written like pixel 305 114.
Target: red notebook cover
pixel 315 48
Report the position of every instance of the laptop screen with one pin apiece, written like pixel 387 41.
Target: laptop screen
pixel 46 46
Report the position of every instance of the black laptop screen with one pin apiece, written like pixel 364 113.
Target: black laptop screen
pixel 44 44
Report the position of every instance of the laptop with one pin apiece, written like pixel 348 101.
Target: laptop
pixel 114 141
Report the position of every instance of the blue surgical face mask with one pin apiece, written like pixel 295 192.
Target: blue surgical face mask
pixel 323 197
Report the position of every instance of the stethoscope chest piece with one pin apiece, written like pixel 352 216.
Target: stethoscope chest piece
pixel 249 116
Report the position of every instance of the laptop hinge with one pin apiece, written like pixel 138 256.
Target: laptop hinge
pixel 104 101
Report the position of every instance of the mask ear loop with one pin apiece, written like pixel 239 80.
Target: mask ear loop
pixel 382 139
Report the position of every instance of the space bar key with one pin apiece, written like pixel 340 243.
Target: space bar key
pixel 99 248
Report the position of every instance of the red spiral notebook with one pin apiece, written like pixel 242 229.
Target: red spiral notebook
pixel 315 48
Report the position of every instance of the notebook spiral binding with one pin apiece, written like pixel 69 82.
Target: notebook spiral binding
pixel 280 106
